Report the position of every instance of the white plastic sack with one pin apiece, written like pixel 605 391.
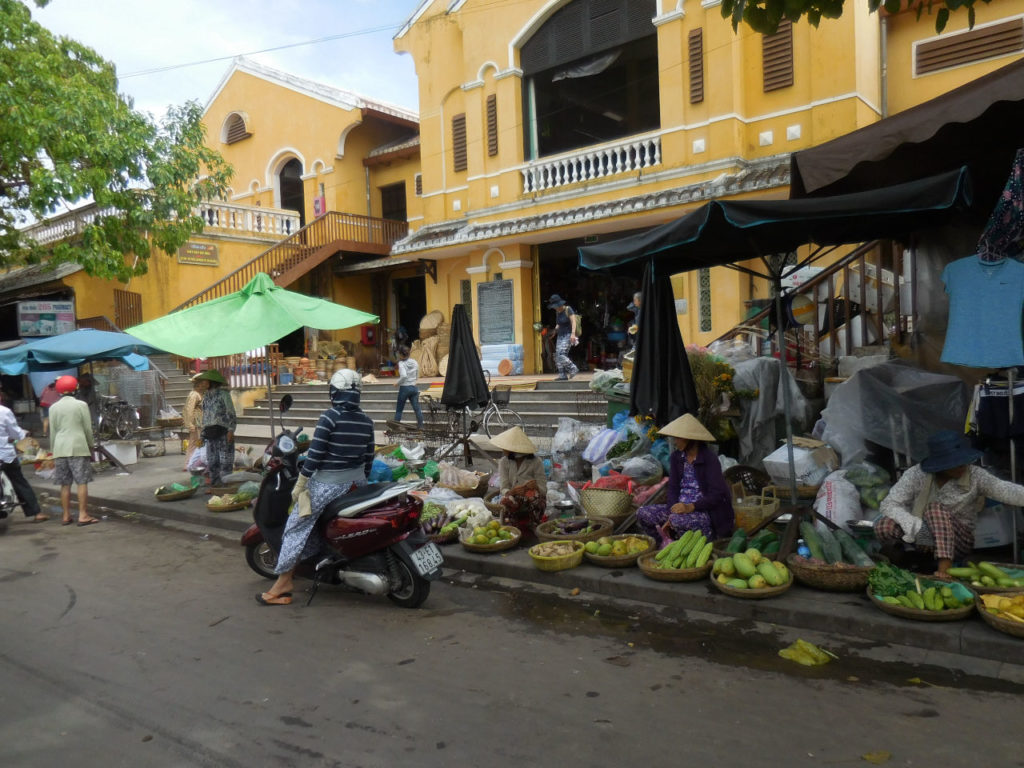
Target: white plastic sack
pixel 838 499
pixel 643 468
pixel 565 438
pixel 197 462
pixel 599 445
pixel 413 452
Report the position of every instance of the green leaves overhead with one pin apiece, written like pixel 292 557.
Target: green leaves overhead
pixel 764 15
pixel 67 137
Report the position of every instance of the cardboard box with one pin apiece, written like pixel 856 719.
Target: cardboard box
pixel 812 459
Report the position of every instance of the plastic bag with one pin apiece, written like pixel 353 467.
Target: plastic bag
pixel 249 488
pixel 431 470
pixel 380 472
pixel 442 495
pixel 454 477
pixel 398 454
pixel 645 470
pixel 648 494
pixel 599 445
pixel 662 451
pixel 397 473
pixel 566 436
pixel 838 500
pixel 413 452
pixel 197 461
pixel 864 474
pixel 619 419
pixel 603 381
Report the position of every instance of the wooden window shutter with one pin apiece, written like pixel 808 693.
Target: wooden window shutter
pixel 459 143
pixel 127 308
pixel 964 47
pixel 777 57
pixel 418 183
pixel 492 125
pixel 236 130
pixel 695 47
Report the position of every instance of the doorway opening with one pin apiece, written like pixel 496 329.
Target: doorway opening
pixel 292 193
pixel 410 304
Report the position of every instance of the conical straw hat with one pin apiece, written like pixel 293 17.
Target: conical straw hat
pixel 515 441
pixel 688 428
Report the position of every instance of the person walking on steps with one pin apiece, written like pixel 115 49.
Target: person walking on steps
pixel 10 433
pixel 71 443
pixel 408 372
pixel 566 339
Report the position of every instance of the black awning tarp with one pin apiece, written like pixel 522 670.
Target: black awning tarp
pixel 977 124
pixel 725 232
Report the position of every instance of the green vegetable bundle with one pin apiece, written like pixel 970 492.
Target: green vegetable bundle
pixel 886 580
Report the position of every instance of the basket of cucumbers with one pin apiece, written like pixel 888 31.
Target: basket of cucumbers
pixel 837 562
pixel 991 578
pixel 904 594
pixel 686 559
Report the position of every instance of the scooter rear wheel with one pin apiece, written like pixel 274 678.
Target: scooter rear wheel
pixel 262 559
pixel 413 591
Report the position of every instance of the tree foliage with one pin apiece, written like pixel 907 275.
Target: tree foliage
pixel 67 137
pixel 765 15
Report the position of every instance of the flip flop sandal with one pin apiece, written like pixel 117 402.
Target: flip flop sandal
pixel 66 522
pixel 285 598
pixel 87 522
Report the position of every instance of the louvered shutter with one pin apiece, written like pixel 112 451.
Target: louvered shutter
pixel 459 143
pixel 695 47
pixel 492 125
pixel 777 57
pixel 964 47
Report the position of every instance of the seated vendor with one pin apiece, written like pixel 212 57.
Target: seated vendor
pixel 523 484
pixel 698 497
pixel 935 505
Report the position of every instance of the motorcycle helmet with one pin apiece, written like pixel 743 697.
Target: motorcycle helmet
pixel 66 384
pixel 346 379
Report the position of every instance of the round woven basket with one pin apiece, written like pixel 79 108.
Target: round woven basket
pixel 647 564
pixel 558 563
pixel 621 561
pixel 753 480
pixel 549 531
pixel 227 507
pixel 446 538
pixel 752 510
pixel 953 614
pixel 220 490
pixel 479 490
pixel 994 590
pixel 186 494
pixel 610 503
pixel 753 594
pixel 1008 626
pixel 828 577
pixel 500 546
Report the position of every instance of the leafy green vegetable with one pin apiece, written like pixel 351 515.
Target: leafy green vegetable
pixel 886 579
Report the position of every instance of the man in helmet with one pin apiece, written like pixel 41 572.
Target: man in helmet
pixel 10 433
pixel 71 444
pixel 340 455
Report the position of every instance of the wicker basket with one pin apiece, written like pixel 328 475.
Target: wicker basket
pixel 646 564
pixel 177 495
pixel 444 538
pixel 549 531
pixel 609 503
pixel 220 490
pixel 752 594
pixel 753 480
pixel 751 511
pixel 850 578
pixel 995 590
pixel 621 561
pixel 227 507
pixel 558 563
pixel 500 546
pixel 1008 626
pixel 177 421
pixel 953 614
pixel 479 490
pixel 802 491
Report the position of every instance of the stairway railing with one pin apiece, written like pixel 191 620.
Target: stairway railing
pixel 374 234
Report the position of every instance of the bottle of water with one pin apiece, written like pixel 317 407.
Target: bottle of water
pixel 801 549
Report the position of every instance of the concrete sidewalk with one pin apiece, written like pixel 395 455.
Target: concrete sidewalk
pixel 970 645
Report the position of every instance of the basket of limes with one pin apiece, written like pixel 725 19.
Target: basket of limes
pixel 490 537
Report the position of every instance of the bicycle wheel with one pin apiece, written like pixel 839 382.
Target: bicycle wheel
pixel 499 418
pixel 126 424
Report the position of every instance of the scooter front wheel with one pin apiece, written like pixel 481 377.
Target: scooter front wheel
pixel 413 590
pixel 262 559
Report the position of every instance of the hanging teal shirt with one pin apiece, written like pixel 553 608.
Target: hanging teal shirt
pixel 985 304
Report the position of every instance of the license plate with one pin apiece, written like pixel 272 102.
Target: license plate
pixel 427 559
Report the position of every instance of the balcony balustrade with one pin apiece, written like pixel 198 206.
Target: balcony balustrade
pixel 591 163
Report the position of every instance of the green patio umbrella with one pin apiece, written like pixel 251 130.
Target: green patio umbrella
pixel 259 314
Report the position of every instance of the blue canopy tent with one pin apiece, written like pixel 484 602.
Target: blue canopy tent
pixel 57 353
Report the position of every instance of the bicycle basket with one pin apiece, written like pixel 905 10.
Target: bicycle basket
pixel 501 395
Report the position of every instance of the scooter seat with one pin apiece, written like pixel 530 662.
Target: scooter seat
pixel 360 499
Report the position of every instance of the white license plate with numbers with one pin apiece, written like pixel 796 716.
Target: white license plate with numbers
pixel 427 559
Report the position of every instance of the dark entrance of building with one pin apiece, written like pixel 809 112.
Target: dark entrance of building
pixel 600 301
pixel 411 304
pixel 292 197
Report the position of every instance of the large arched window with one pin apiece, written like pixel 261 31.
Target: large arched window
pixel 590 75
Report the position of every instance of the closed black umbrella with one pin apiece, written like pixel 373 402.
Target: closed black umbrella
pixel 662 382
pixel 464 383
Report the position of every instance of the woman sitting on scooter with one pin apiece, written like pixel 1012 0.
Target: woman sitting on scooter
pixel 340 455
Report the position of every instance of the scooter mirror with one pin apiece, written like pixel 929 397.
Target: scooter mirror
pixel 285 404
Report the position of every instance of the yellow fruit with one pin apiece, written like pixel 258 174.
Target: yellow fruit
pixel 481 539
pixel 479 531
pixel 494 525
pixel 723 579
pixel 757 582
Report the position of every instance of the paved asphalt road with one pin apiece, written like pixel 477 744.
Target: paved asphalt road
pixel 126 645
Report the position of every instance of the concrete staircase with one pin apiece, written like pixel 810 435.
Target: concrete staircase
pixel 177 385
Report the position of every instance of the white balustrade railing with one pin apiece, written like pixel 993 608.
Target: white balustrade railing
pixel 592 163
pixel 225 217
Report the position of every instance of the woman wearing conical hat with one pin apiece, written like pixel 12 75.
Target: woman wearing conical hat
pixel 697 495
pixel 524 486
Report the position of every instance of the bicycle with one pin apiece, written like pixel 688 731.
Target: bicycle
pixel 117 418
pixel 495 417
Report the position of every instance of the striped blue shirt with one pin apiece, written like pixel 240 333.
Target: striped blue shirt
pixel 343 438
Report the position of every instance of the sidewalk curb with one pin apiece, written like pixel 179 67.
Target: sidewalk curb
pixel 844 614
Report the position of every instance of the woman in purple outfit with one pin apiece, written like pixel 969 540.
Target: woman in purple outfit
pixel 698 497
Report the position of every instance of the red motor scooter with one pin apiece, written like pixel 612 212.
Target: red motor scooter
pixel 374 541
